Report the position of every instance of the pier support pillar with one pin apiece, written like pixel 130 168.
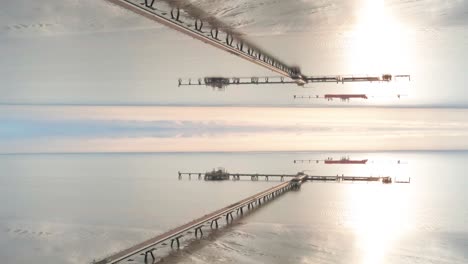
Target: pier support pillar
pixel 177 242
pixel 229 217
pixel 150 252
pixel 215 222
pixel 241 210
pixel 198 229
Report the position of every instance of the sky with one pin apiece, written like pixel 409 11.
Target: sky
pixel 90 54
pixel 85 129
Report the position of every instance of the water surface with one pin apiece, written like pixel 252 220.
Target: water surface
pixel 71 208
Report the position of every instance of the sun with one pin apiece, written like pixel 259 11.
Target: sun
pixel 378 41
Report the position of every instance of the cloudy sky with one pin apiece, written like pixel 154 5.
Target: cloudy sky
pixel 95 54
pixel 64 129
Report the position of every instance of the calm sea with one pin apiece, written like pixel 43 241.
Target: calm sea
pixel 73 208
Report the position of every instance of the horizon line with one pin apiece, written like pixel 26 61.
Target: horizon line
pixel 235 152
pixel 422 106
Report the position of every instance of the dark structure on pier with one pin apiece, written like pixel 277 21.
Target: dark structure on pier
pixel 217 175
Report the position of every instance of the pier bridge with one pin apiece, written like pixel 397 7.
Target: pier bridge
pixel 196 23
pixel 145 250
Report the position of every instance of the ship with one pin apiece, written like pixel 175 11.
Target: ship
pixel 345 160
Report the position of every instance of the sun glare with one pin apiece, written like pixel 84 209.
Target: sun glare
pixel 378 43
pixel 377 39
pixel 378 216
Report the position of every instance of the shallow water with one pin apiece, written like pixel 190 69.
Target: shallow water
pixel 72 208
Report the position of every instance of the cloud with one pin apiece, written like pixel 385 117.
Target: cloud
pixel 152 129
pixel 31 129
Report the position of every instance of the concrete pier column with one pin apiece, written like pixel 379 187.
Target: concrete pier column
pixel 177 241
pixel 149 252
pixel 215 222
pixel 229 217
pixel 199 176
pixel 197 230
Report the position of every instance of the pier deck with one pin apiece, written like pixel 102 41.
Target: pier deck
pixel 327 178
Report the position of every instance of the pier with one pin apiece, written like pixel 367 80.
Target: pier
pixel 194 228
pixel 173 237
pixel 234 176
pixel 194 22
pixel 222 175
